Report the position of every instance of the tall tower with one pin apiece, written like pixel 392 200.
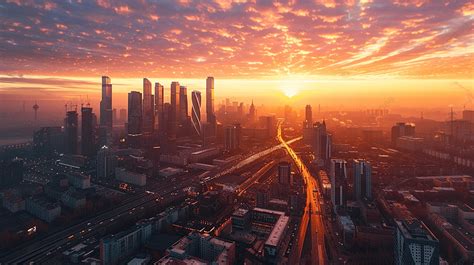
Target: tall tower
pixel 35 108
pixel 211 118
pixel 70 129
pixel 135 118
pixel 175 109
pixel 183 104
pixel 87 131
pixel 159 101
pixel 196 111
pixel 106 103
pixel 148 112
pixel 362 177
pixel 338 175
pixel 308 116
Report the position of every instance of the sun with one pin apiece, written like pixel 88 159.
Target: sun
pixel 290 92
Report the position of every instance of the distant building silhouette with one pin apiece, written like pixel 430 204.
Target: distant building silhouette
pixel 70 132
pixel 134 118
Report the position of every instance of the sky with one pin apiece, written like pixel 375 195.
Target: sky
pixel 356 53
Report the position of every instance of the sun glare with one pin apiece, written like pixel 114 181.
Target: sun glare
pixel 290 92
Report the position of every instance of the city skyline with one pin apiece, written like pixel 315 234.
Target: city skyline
pixel 369 50
pixel 246 132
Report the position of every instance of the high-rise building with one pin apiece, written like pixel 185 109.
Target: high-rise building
pixel 269 123
pixel 123 115
pixel 70 132
pixel 87 131
pixel 211 118
pixel 135 117
pixel 106 163
pixel 106 103
pixel 159 104
pixel 308 116
pixel 183 104
pixel 362 178
pixel 262 198
pixel 317 136
pixel 196 111
pixel 148 110
pixel 415 244
pixel 402 129
pixel 175 109
pixel 252 112
pixel 284 173
pixel 232 137
pixel 338 175
pixel 468 115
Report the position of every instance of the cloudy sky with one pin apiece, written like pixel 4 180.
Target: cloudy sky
pixel 65 46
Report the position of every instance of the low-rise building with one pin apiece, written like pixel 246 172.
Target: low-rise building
pixel 42 208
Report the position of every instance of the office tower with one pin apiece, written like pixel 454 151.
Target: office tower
pixel 308 122
pixel 284 173
pixel 106 163
pixel 135 118
pixel 252 112
pixel 114 115
pixel 362 178
pixel 415 244
pixel 269 123
pixel 70 130
pixel 468 115
pixel 175 109
pixel 159 101
pixel 166 125
pixel 87 131
pixel 148 111
pixel 106 103
pixel 183 104
pixel 211 118
pixel 232 137
pixel 240 109
pixel 123 115
pixel 317 136
pixel 402 129
pixel 338 174
pixel 196 111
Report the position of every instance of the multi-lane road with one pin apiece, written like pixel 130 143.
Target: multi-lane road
pixel 312 211
pixel 43 249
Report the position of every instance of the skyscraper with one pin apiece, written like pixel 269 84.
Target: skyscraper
pixel 402 129
pixel 338 174
pixel 232 137
pixel 211 118
pixel 175 109
pixel 317 136
pixel 284 173
pixel 196 111
pixel 106 103
pixel 415 244
pixel 134 118
pixel 362 177
pixel 87 131
pixel 106 163
pixel 148 112
pixel 308 116
pixel 183 104
pixel 70 129
pixel 159 101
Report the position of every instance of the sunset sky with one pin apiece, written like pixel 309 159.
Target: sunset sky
pixel 304 49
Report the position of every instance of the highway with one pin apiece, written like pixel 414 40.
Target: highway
pixel 43 249
pixel 312 211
